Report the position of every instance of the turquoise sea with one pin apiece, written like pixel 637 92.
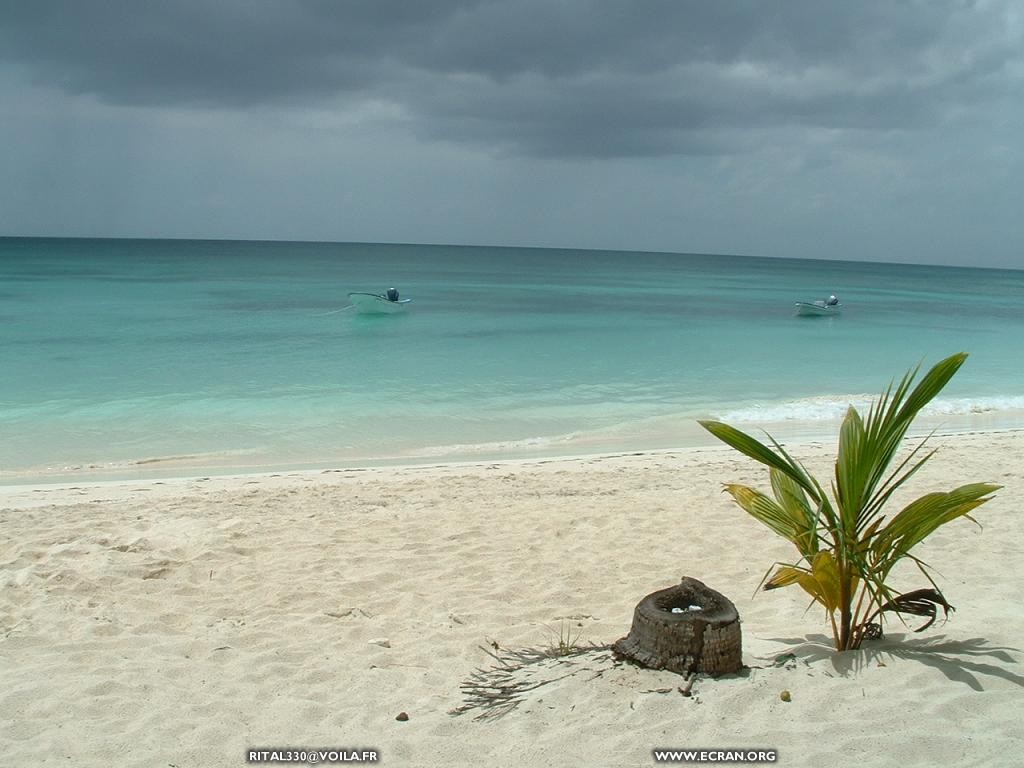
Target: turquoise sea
pixel 142 357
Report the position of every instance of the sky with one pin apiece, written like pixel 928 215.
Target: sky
pixel 871 130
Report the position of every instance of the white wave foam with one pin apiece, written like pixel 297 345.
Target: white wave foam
pixel 502 446
pixel 964 405
pixel 833 408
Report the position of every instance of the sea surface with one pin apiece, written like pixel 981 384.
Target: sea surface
pixel 141 357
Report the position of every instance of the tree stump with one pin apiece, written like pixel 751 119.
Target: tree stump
pixel 686 628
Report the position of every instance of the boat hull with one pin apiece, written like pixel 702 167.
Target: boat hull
pixel 816 309
pixel 375 304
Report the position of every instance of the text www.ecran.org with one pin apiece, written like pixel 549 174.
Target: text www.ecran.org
pixel 714 755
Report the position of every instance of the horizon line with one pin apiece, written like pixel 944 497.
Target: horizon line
pixel 822 259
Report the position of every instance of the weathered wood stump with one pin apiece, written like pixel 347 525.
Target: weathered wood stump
pixel 686 628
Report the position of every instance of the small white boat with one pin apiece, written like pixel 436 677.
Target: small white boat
pixel 829 306
pixel 375 304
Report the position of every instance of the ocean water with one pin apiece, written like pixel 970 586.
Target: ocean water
pixel 122 357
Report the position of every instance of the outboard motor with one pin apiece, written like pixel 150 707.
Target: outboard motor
pixel 392 294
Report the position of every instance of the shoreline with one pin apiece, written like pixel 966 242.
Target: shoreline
pixel 789 432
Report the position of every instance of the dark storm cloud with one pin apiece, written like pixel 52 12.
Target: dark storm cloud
pixel 574 78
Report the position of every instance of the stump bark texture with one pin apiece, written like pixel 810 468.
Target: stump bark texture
pixel 702 634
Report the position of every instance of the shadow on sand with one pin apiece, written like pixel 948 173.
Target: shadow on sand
pixel 962 661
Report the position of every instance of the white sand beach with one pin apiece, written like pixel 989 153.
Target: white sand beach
pixel 184 622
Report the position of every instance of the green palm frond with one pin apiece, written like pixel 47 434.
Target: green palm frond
pixel 922 517
pixel 897 478
pixel 758 451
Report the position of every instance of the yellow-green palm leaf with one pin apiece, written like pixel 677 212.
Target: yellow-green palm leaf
pixel 821 581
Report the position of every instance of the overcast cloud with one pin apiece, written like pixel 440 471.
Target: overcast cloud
pixel 865 130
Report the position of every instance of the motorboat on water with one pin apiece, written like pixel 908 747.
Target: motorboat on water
pixel 820 308
pixel 377 304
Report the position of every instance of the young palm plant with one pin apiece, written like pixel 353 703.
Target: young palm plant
pixel 847 546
